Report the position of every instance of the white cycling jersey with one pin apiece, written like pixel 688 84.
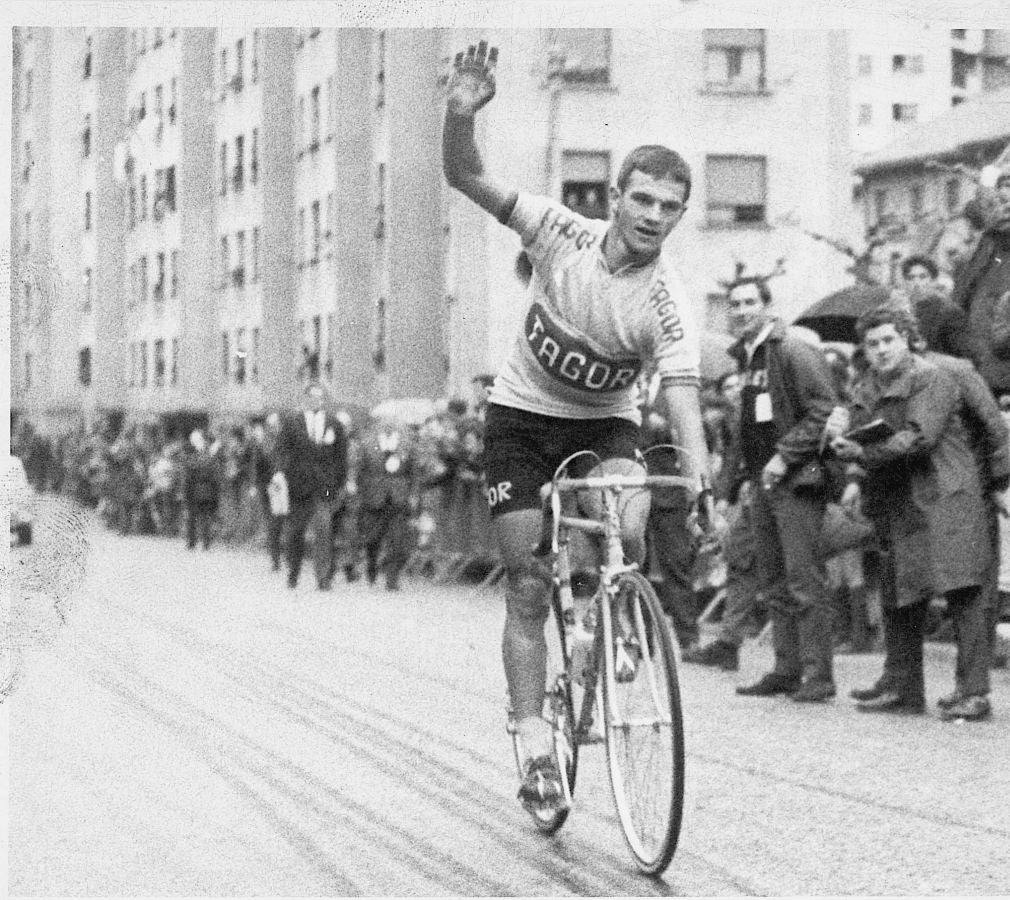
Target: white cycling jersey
pixel 588 330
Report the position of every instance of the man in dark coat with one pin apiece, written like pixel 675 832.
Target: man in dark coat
pixel 942 324
pixel 201 489
pixel 386 489
pixel 312 456
pixel 263 463
pixel 788 394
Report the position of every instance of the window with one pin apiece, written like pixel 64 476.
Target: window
pixel 301 237
pixel 84 366
pixel 87 292
pixel 159 112
pixel 735 59
pixel 174 283
pixel 579 55
pixel 585 178
pixel 159 285
pixel 28 233
pixel 224 66
pixel 142 108
pixel 301 126
pixel 157 38
pixel 240 356
pixel 380 204
pixel 27 171
pixel 880 204
pixel 170 188
pixel 330 213
pixel 905 112
pixel 86 137
pixel 224 168
pixel 865 114
pixel 159 363
pixel 864 64
pixel 331 109
pixel 254 65
pixel 238 273
pixel 132 198
pixel 87 210
pixel 143 279
pixel 238 175
pixel 171 103
pixel 143 364
pixel 28 89
pixel 898 62
pixel 239 64
pixel 317 336
pixel 225 355
pixel 736 189
pixel 143 197
pixel 314 145
pixel 255 361
pixel 225 261
pixel 256 254
pixel 958 34
pixel 174 378
pixel 331 340
pixel 380 70
pixel 952 195
pixel 316 233
pixel 254 156
pixel 87 57
pixel 916 196
pixel 916 65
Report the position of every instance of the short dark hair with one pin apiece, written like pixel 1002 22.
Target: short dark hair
pixel 889 314
pixel 924 261
pixel 657 161
pixel 764 292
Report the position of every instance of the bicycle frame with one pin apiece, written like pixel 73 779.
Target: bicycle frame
pixel 608 527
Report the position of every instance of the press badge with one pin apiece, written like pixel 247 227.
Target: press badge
pixel 763 407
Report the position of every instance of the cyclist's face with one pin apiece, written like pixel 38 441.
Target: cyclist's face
pixel 886 348
pixel 646 211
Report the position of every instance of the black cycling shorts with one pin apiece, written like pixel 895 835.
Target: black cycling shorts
pixel 522 450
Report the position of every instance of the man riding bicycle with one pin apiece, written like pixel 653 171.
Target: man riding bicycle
pixel 603 299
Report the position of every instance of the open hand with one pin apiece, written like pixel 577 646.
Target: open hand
pixel 472 84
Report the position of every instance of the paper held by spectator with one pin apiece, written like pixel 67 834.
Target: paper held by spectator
pixel 277 494
pixel 870 433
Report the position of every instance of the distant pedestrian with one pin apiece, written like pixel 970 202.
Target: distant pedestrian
pixel 202 490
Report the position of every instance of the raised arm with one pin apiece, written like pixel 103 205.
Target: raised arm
pixel 471 86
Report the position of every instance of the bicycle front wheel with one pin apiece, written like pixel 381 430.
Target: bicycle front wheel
pixel 644 724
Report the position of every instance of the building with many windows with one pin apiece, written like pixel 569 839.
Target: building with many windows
pixel 914 72
pixel 201 215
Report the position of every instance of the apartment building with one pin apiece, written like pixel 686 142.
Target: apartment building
pixel 254 202
pixel 912 73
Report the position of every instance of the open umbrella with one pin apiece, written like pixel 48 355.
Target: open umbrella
pixel 834 317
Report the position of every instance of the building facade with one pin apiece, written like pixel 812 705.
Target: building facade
pixel 204 216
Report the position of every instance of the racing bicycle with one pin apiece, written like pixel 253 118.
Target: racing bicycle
pixel 612 675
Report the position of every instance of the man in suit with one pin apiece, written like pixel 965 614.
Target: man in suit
pixel 386 489
pixel 312 455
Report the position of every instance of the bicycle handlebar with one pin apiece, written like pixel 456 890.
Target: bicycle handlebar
pixel 564 485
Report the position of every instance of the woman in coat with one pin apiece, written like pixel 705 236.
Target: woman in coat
pixel 922 489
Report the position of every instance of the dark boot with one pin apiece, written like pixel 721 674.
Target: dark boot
pixel 817 649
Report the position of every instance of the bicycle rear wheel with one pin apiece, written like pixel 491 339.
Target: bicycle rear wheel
pixel 644 724
pixel 559 712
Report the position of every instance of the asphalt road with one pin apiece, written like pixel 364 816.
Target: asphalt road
pixel 186 725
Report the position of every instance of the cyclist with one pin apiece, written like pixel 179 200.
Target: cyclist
pixel 603 299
